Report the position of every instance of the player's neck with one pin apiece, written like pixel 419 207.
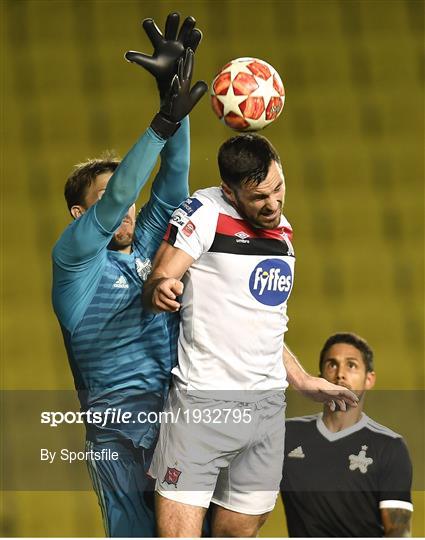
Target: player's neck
pixel 339 420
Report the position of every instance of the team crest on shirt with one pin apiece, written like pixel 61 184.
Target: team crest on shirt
pixel 143 268
pixel 288 242
pixel 361 461
pixel 271 282
pixel 172 476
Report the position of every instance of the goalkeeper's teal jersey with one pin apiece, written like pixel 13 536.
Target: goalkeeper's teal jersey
pixel 120 355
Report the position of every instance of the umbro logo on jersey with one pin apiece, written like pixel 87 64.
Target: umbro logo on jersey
pixel 361 461
pixel 121 283
pixel 242 237
pixel 297 453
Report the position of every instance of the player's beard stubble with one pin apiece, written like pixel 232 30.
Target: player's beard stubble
pixel 261 219
pixel 124 236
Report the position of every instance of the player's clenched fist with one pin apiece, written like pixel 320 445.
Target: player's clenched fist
pixel 165 294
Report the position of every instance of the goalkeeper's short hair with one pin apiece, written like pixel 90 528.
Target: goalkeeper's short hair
pixel 84 174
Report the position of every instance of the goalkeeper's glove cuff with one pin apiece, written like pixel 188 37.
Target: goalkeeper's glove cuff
pixel 164 127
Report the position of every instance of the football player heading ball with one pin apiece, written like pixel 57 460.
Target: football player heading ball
pixel 227 264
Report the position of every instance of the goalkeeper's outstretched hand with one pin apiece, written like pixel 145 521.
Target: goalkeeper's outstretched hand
pixel 180 98
pixel 168 49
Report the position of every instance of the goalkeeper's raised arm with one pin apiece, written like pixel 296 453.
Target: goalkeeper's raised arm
pixel 120 356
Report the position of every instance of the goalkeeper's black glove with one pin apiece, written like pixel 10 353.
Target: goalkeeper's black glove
pixel 180 98
pixel 168 49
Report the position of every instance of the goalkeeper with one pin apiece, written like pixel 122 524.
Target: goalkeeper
pixel 120 356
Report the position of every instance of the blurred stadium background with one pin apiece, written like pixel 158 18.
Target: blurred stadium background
pixel 351 138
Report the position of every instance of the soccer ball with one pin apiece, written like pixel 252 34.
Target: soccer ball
pixel 247 94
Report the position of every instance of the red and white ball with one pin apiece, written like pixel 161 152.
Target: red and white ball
pixel 247 94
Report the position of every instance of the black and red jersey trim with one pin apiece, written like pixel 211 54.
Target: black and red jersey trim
pixel 237 237
pixel 171 234
pixel 251 246
pixel 230 226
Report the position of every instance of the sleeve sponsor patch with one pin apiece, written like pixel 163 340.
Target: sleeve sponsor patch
pixel 188 228
pixel 179 218
pixel 181 222
pixel 190 205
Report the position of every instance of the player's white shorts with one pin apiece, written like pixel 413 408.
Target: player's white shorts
pixel 230 453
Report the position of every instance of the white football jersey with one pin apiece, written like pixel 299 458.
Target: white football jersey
pixel 233 314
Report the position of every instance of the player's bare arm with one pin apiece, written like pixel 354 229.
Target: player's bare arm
pixel 163 285
pixel 397 522
pixel 316 388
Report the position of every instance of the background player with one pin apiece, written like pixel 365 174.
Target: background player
pixel 120 356
pixel 344 474
pixel 232 246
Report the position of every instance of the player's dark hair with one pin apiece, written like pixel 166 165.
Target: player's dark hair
pixel 84 174
pixel 351 339
pixel 244 158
